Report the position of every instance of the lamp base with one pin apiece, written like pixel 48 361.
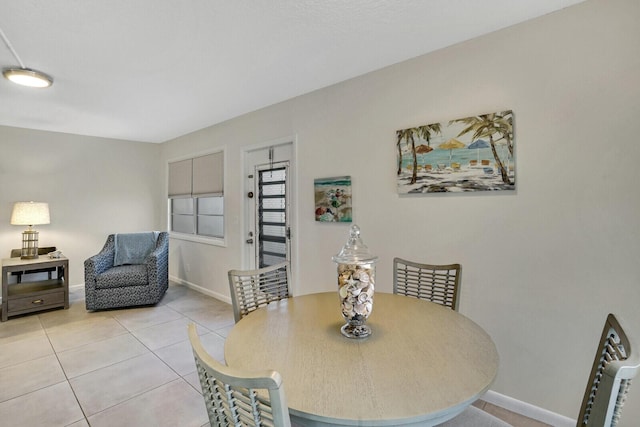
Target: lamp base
pixel 29 244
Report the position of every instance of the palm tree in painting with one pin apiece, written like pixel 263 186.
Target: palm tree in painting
pixel 402 134
pixel 424 132
pixel 505 127
pixel 495 127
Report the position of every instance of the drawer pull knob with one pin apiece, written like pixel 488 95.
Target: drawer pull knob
pixel 38 301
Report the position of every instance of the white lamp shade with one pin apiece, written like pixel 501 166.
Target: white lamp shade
pixel 30 213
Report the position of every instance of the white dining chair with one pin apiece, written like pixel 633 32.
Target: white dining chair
pixel 235 397
pixel 252 289
pixel 616 363
pixel 436 283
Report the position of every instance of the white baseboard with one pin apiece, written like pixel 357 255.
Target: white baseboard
pixel 528 410
pixel 200 289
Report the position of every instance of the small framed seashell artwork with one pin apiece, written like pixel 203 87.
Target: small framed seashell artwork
pixel 333 199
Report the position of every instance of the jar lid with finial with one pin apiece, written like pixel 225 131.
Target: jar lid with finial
pixel 354 251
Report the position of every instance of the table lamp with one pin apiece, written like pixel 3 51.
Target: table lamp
pixel 30 213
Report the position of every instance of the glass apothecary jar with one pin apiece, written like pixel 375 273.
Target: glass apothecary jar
pixel 356 284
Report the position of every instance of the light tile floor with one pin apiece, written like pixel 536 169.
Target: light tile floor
pixel 128 367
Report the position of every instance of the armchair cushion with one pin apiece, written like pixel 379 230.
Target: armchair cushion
pixel 123 275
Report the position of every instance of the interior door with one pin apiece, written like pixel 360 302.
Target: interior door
pixel 268 206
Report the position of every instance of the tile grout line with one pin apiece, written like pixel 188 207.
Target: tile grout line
pixel 64 372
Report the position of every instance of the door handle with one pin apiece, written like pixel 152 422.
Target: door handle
pixel 249 240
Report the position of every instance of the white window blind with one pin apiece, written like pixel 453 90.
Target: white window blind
pixel 180 178
pixel 207 175
pixel 197 177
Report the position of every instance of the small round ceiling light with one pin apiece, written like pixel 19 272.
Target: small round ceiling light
pixel 27 77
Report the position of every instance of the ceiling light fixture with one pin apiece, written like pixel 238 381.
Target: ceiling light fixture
pixel 22 75
pixel 27 77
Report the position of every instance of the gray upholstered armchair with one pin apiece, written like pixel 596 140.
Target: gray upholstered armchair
pixel 140 275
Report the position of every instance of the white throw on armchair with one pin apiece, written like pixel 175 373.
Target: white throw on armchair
pixel 130 270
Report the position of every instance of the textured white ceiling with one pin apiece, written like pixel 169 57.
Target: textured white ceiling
pixel 153 70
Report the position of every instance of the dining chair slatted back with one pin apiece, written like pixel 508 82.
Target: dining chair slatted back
pixel 617 361
pixel 235 397
pixel 436 283
pixel 252 289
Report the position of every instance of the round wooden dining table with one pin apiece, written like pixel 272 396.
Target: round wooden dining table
pixel 423 363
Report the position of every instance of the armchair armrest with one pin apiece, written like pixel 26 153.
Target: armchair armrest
pixel 158 263
pixel 99 263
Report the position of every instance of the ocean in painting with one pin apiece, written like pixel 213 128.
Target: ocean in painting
pixel 333 199
pixel 465 170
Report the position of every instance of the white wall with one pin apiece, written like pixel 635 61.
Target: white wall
pixel 94 187
pixel 541 266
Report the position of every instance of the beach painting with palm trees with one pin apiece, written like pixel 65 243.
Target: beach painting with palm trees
pixel 471 154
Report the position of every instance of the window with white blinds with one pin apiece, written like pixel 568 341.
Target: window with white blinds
pixel 196 195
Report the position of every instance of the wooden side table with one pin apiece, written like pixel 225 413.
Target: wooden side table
pixel 34 296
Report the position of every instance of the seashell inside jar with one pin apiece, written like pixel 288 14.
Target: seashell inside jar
pixel 356 289
pixel 356 285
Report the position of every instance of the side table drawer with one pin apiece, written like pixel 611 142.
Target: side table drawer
pixel 26 303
